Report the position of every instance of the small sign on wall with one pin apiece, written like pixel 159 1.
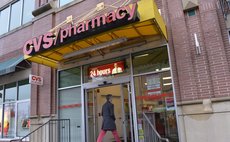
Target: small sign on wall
pixel 34 79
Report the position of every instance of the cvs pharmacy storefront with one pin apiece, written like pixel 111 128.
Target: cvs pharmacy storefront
pixel 120 51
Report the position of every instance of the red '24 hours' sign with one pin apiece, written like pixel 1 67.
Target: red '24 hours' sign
pixel 108 69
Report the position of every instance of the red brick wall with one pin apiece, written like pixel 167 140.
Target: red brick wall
pixel 198 76
pixel 43 98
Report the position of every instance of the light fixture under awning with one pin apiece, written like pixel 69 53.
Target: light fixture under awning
pixel 10 65
pixel 151 24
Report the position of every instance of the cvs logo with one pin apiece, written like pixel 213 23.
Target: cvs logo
pixel 37 80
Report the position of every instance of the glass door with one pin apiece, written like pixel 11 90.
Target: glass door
pixel 95 98
pixel 127 113
pixel 91 117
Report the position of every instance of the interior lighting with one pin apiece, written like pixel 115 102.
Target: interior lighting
pixel 166 68
pixel 166 78
pixel 167 84
pixel 143 55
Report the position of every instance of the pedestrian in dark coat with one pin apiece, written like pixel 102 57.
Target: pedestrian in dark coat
pixel 108 123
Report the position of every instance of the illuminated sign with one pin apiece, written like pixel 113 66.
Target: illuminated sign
pixel 37 80
pixel 108 69
pixel 121 16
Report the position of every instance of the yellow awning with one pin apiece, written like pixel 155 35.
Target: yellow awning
pixel 151 24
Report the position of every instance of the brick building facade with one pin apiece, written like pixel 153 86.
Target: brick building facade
pixel 201 76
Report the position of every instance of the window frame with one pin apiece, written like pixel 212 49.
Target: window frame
pixel 59 3
pixel 8 19
pixel 21 14
pixel 16 103
pixel 9 5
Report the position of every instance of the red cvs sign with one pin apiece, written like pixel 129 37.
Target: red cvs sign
pixel 106 70
pixel 37 80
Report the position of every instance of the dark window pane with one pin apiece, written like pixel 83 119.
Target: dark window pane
pixel 191 12
pixel 15 18
pixel 69 77
pixel 4 20
pixel 151 60
pixel 63 2
pixel 9 121
pixel 1 95
pixel 24 89
pixel 10 92
pixel 28 7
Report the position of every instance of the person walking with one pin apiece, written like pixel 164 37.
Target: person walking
pixel 108 123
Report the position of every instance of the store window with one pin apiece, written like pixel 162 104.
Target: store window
pixel 23 90
pixel 69 100
pixel 151 60
pixel 154 94
pixel 23 111
pixel 154 98
pixel 16 14
pixel 10 92
pixel 14 109
pixel 70 77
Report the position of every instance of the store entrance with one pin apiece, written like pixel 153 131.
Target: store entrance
pixel 95 98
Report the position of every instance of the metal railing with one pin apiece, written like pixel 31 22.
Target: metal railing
pixel 55 130
pixel 151 134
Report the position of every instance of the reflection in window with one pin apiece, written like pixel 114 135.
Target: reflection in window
pixel 28 7
pixel 63 2
pixel 15 15
pixel 152 60
pixel 15 112
pixel 9 120
pixel 69 77
pixel 69 102
pixel 10 92
pixel 24 90
pixel 154 97
pixel 70 96
pixel 23 122
pixel 4 18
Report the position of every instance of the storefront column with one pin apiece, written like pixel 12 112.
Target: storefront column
pixel 133 99
pixel 83 108
pixel 174 95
